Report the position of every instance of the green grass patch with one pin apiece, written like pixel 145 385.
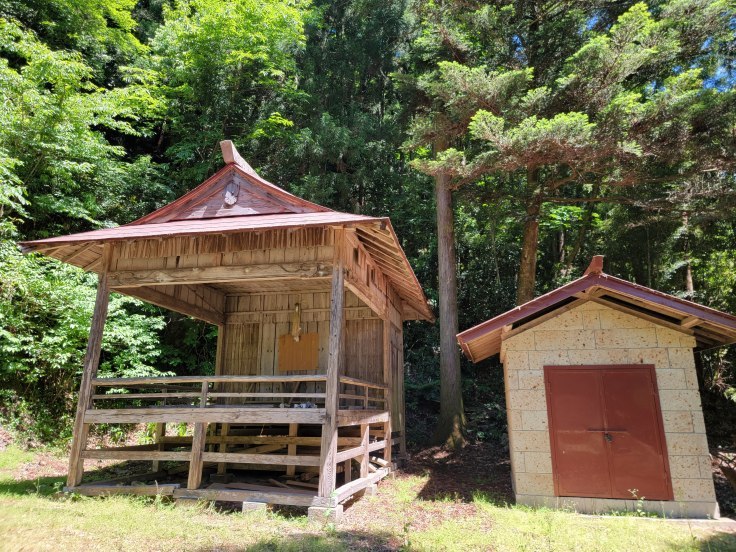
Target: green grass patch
pixel 34 517
pixel 12 457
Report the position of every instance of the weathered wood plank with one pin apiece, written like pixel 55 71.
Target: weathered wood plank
pixel 270 459
pixel 194 479
pixel 358 417
pixel 131 382
pixel 362 382
pixel 348 454
pixel 173 303
pixel 112 454
pixel 346 491
pixel 328 448
pixel 141 490
pixel 86 389
pixel 214 274
pixel 209 414
pixel 288 498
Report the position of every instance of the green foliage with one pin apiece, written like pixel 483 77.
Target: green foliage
pixel 609 112
pixel 225 68
pixel 45 309
pixel 52 147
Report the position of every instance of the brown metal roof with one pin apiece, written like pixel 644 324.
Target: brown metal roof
pixel 710 327
pixel 253 205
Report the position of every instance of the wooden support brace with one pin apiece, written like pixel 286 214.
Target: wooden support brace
pixel 365 435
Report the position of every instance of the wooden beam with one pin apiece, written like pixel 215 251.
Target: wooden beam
pixel 165 380
pixel 270 459
pixel 140 490
pixel 358 417
pixel 328 449
pixel 91 362
pixel 364 296
pixel 214 274
pixel 112 454
pixel 283 496
pixel 690 321
pixel 349 489
pixel 172 303
pixel 209 414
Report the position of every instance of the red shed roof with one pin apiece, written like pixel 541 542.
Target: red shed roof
pixel 237 199
pixel 710 327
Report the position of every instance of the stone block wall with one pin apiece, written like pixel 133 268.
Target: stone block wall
pixel 596 334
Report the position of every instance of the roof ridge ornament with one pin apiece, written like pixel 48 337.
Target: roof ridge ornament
pixel 231 156
pixel 595 266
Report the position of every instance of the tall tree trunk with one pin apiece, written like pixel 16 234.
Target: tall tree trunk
pixel 530 242
pixel 689 285
pixel 451 425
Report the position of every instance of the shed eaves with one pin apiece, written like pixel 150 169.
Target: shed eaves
pixel 710 327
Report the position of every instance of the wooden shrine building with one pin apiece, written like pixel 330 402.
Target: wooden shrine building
pixel 602 396
pixel 309 305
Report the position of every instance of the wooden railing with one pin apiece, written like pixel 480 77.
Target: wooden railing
pixel 177 388
pixel 363 395
pixel 204 391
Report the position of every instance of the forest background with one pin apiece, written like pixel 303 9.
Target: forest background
pixel 540 132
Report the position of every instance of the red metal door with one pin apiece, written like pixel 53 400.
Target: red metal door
pixel 606 432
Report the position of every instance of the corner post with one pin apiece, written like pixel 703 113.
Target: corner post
pixel 387 380
pixel 328 449
pixel 91 362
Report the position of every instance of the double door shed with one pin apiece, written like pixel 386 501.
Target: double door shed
pixel 602 396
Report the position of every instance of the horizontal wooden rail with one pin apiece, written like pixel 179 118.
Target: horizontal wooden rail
pixel 107 454
pixel 211 414
pixel 259 440
pixel 119 396
pixel 361 398
pixel 348 454
pixel 266 394
pixel 362 383
pixel 274 459
pixel 130 382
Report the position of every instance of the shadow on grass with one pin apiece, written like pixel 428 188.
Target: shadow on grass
pixel 328 541
pixel 718 542
pixel 42 486
pixel 50 485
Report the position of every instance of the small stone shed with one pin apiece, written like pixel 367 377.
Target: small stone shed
pixel 602 396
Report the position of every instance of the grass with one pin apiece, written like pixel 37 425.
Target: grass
pixel 34 517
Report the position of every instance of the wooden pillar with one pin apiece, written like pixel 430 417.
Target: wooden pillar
pixel 198 441
pixel 224 428
pixel 387 380
pixel 91 362
pixel 224 432
pixel 332 397
pixel 158 438
pixel 195 461
pixel 291 449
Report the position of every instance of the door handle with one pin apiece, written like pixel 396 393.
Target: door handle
pixel 608 437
